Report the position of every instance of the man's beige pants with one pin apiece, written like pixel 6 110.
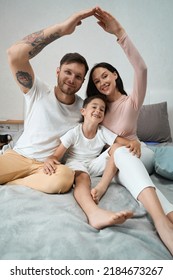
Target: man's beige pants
pixel 19 170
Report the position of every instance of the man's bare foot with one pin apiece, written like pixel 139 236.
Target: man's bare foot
pixel 165 230
pixel 103 218
pixel 97 193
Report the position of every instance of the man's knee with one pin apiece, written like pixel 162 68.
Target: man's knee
pixel 62 180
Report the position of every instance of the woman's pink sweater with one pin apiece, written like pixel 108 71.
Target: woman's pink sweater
pixel 122 114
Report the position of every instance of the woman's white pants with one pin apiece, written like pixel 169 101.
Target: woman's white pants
pixel 134 176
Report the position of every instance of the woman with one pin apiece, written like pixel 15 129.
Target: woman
pixel 121 118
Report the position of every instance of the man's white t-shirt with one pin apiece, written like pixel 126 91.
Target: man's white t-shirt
pixel 46 120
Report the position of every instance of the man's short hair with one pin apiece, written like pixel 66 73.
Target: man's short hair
pixel 74 57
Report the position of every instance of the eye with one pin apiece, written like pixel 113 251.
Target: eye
pixel 105 76
pixel 67 72
pixel 96 82
pixel 79 78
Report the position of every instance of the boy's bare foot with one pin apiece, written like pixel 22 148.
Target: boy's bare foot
pixel 97 193
pixel 102 218
pixel 165 230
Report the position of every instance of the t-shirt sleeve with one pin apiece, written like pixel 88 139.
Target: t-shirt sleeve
pixel 68 139
pixel 108 135
pixel 38 89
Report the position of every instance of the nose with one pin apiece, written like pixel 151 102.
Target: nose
pixel 71 79
pixel 98 110
pixel 102 82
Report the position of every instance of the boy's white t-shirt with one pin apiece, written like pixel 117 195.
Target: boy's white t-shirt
pixel 46 120
pixel 84 149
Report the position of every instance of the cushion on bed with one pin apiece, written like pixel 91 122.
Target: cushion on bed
pixel 153 123
pixel 164 161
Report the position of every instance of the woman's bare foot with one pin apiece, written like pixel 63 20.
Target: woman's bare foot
pixel 97 193
pixel 102 218
pixel 170 216
pixel 165 230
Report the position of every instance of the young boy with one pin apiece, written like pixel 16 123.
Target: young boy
pixel 84 144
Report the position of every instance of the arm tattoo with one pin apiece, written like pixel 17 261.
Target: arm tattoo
pixel 38 41
pixel 24 79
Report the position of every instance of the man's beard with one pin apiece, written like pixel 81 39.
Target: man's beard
pixel 65 89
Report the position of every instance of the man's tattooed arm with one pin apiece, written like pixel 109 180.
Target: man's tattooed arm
pixel 38 41
pixel 24 79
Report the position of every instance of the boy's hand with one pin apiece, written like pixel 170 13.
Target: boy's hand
pixel 135 147
pixel 50 165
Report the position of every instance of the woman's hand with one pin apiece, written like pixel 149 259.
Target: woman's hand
pixel 50 165
pixel 135 147
pixel 109 23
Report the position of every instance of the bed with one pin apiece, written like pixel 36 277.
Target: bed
pixel 39 226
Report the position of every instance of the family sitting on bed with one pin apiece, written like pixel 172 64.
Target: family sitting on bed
pixel 51 112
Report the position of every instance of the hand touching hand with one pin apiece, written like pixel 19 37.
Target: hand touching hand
pixel 70 24
pixel 108 22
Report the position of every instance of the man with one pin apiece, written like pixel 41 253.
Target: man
pixel 49 112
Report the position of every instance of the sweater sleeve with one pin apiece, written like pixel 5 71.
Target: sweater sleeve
pixel 140 71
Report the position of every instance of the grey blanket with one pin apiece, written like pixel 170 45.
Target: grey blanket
pixel 39 226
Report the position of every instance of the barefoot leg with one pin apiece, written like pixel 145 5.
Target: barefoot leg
pixel 170 216
pixel 97 193
pixel 101 218
pixel 97 217
pixel 108 174
pixel 163 225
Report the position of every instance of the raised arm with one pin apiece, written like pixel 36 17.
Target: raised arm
pixel 112 26
pixel 20 53
pixel 109 23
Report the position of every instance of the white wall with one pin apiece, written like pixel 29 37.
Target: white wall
pixel 148 22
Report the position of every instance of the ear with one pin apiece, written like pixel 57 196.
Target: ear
pixel 82 110
pixel 115 74
pixel 57 71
